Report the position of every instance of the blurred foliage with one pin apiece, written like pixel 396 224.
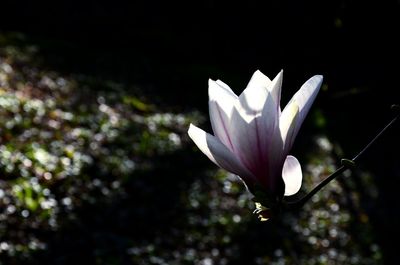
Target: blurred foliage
pixel 94 174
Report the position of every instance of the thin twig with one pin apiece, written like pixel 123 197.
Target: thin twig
pixel 346 164
pixel 376 137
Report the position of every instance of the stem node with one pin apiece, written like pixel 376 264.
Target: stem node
pixel 349 163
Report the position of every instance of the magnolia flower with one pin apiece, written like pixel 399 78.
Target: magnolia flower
pixel 252 136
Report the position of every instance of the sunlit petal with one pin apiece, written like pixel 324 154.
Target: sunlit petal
pixel 251 136
pixel 217 152
pixel 226 87
pixel 258 79
pixel 304 99
pixel 292 176
pixel 287 125
pixel 253 98
pixel 221 102
pixel 275 89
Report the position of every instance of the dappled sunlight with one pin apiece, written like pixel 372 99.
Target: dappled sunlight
pixel 95 172
pixel 62 147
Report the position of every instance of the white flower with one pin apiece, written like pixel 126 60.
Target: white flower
pixel 252 136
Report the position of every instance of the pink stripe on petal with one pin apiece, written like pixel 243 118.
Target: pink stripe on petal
pixel 251 136
pixel 221 104
pixel 218 153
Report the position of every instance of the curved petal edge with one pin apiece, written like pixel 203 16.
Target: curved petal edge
pixel 292 175
pixel 218 153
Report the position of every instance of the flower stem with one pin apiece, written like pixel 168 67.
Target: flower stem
pixel 346 164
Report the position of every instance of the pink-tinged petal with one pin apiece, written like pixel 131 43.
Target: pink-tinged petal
pixel 218 153
pixel 253 123
pixel 252 135
pixel 221 101
pixel 292 176
pixel 304 99
pixel 287 125
pixel 275 160
pixel 275 89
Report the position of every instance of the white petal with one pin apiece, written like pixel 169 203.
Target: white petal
pixel 253 98
pixel 304 99
pixel 275 89
pixel 259 80
pixel 221 101
pixel 226 87
pixel 287 125
pixel 253 122
pixel 227 90
pixel 292 176
pixel 251 136
pixel 306 96
pixel 218 153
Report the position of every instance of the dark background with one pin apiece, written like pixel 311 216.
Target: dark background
pixel 170 48
pixel 175 44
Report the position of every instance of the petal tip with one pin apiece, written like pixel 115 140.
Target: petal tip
pixel 318 78
pixel 212 88
pixel 192 129
pixel 279 75
pixel 259 74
